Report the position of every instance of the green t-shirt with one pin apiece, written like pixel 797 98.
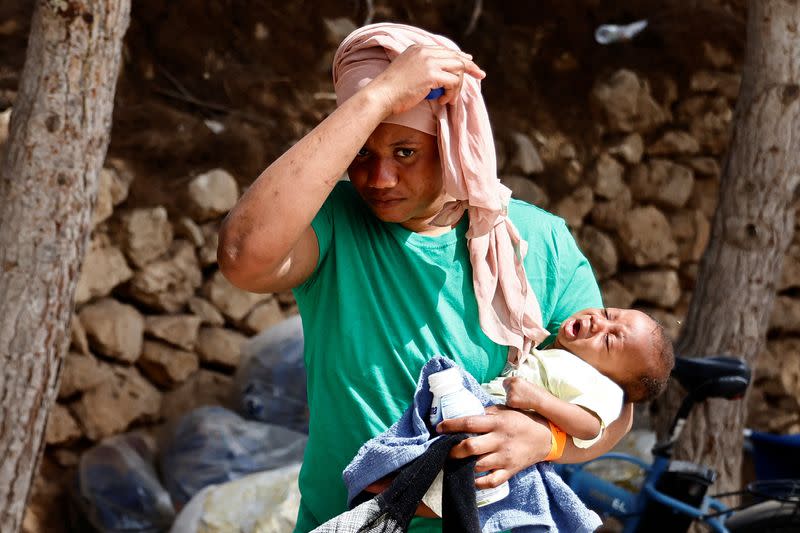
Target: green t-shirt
pixel 382 301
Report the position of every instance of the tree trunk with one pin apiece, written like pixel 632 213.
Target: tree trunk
pixel 57 142
pixel 752 228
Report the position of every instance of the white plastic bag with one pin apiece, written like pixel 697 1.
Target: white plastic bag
pixel 266 502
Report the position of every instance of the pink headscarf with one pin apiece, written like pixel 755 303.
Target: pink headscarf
pixel 508 311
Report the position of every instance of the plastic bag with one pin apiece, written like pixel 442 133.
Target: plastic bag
pixel 266 502
pixel 116 488
pixel 213 445
pixel 270 383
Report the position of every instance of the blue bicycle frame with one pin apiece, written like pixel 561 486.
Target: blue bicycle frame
pixel 609 499
pixel 702 378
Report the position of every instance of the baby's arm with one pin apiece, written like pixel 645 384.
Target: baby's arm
pixel 571 418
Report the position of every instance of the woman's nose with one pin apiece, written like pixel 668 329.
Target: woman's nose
pixel 382 174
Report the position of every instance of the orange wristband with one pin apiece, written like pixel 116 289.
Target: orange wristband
pixel 558 440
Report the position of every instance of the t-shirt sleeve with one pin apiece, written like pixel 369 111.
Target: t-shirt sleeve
pixel 604 398
pixel 577 287
pixel 322 225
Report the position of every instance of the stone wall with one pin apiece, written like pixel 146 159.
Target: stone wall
pixel 640 204
pixel 157 329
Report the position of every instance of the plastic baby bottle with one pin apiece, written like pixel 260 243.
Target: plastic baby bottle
pixel 452 400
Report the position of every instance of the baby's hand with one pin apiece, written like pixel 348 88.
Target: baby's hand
pixel 522 394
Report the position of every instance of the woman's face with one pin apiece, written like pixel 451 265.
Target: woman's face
pixel 398 174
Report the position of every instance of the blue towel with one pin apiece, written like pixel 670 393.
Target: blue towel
pixel 539 500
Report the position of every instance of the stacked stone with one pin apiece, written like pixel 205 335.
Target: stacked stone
pixel 157 329
pixel 640 205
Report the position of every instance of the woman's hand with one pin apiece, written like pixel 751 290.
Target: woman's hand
pixel 508 441
pixel 412 75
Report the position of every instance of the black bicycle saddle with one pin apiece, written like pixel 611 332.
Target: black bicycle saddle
pixel 712 377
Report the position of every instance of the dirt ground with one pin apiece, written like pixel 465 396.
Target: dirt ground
pixel 259 71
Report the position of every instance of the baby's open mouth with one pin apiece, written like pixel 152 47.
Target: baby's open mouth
pixel 575 327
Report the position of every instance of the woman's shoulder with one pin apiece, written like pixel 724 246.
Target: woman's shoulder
pixel 529 218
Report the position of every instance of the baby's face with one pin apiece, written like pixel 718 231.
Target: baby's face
pixel 614 341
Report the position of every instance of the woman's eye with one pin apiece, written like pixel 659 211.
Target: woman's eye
pixel 405 152
pixel 362 153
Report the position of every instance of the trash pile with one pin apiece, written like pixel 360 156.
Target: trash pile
pixel 637 443
pixel 270 383
pixel 213 470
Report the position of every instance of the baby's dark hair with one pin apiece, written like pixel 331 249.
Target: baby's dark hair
pixel 660 360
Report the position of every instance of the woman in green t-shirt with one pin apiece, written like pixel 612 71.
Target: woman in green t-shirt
pixel 421 253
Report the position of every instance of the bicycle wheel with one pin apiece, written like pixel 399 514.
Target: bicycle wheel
pixel 766 517
pixel 783 490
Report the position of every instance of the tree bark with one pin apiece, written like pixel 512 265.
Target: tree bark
pixel 57 142
pixel 752 228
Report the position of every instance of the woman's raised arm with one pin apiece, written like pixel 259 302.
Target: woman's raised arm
pixel 266 242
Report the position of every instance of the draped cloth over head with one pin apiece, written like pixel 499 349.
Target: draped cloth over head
pixel 508 310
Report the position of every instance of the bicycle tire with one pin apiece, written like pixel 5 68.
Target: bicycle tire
pixel 766 517
pixel 782 490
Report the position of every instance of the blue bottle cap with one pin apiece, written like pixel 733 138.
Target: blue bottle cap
pixel 435 93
